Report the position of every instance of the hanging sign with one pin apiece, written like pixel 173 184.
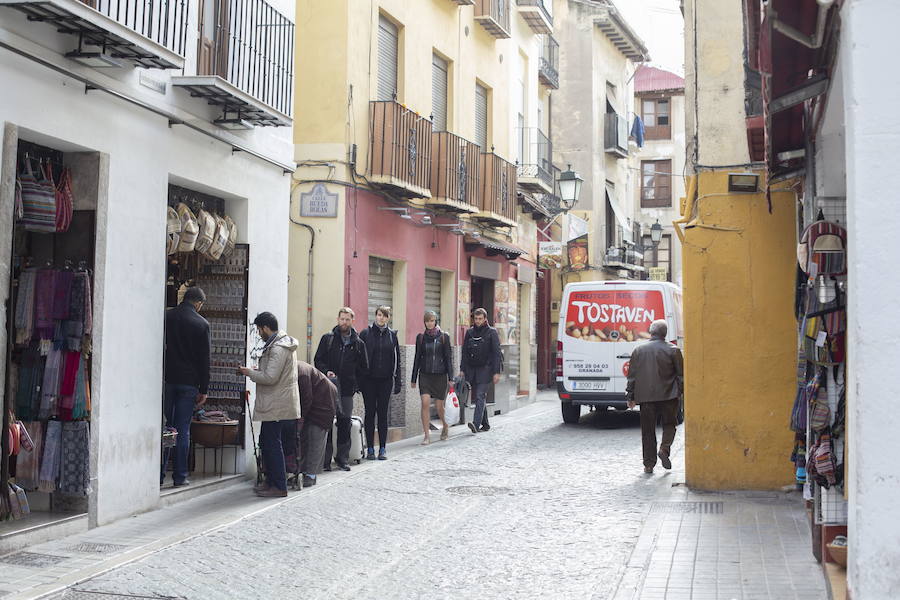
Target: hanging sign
pixel 318 202
pixel 577 227
pixel 550 255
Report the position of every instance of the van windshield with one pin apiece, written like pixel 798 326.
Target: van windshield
pixel 613 315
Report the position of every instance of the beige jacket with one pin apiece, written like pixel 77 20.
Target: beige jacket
pixel 277 394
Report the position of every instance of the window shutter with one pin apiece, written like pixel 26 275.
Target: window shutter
pixel 381 284
pixel 387 59
pixel 481 117
pixel 433 291
pixel 439 92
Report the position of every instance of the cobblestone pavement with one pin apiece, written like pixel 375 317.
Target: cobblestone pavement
pixel 531 509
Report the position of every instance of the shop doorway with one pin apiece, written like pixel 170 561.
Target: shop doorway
pixel 202 252
pixel 483 297
pixel 49 327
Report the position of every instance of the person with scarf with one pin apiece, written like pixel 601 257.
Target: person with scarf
pixel 383 352
pixel 433 367
pixel 481 365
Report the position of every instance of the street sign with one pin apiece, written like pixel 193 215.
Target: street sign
pixel 658 273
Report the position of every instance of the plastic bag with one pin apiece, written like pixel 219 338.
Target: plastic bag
pixel 451 407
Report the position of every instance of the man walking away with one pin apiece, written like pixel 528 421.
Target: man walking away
pixel 342 354
pixel 187 351
pixel 656 382
pixel 317 399
pixel 277 399
pixel 383 354
pixel 481 365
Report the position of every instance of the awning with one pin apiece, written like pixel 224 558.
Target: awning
pixel 619 212
pixel 494 247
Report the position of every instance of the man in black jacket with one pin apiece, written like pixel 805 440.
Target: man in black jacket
pixel 342 355
pixel 383 354
pixel 481 365
pixel 186 375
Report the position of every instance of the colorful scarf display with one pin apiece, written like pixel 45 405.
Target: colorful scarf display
pixel 74 465
pixel 51 459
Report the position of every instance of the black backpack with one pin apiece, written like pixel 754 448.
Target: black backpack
pixel 478 349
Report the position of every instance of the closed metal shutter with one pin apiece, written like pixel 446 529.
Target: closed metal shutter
pixel 387 59
pixel 439 92
pixel 481 117
pixel 381 285
pixel 433 291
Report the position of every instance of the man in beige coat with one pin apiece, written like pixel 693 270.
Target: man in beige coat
pixel 277 399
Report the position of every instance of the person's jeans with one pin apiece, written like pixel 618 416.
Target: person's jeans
pixel 377 397
pixel 273 453
pixel 667 412
pixel 312 447
pixel 178 408
pixel 480 391
pixel 342 456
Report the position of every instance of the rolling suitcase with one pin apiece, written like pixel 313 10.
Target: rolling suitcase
pixel 357 439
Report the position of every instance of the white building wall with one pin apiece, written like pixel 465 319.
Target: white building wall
pixel 144 155
pixel 872 143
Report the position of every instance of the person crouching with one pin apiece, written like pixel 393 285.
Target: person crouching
pixel 318 396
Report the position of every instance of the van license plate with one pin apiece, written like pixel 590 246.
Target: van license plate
pixel 589 385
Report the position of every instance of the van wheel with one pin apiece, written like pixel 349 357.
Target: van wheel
pixel 571 413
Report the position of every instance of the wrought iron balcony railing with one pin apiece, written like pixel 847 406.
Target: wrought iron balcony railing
pixel 494 17
pixel 455 172
pixel 400 149
pixel 498 197
pixel 548 63
pixel 536 152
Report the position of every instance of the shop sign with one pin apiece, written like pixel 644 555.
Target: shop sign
pixel 578 253
pixel 658 273
pixel 550 255
pixel 318 202
pixel 577 227
pixel 526 273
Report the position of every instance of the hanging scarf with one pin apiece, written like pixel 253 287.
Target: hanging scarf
pixel 25 307
pixel 81 407
pixel 43 303
pixel 71 362
pixel 88 317
pixel 62 291
pixel 73 326
pixel 51 459
pixel 31 377
pixel 28 461
pixel 74 465
pixel 50 389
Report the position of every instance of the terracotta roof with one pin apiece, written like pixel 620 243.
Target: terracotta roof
pixel 651 79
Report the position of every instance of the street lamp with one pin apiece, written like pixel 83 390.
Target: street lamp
pixel 569 188
pixel 656 233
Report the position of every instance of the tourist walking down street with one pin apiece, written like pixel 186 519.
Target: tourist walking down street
pixel 277 399
pixel 433 367
pixel 342 355
pixel 656 383
pixel 481 365
pixel 187 349
pixel 382 379
pixel 317 399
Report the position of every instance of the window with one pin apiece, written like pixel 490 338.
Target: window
pixel 439 93
pixel 388 52
pixel 660 256
pixel 433 292
pixel 656 183
pixel 381 284
pixel 481 116
pixel 657 120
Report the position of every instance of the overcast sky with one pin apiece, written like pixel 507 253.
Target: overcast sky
pixel 660 25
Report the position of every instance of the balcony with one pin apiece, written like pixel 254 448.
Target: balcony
pixel 538 14
pixel 548 63
pixel 400 149
pixel 494 17
pixel 624 257
pixel 244 64
pixel 497 205
pixel 463 2
pixel 551 202
pixel 615 135
pixel 455 173
pixel 535 166
pixel 109 33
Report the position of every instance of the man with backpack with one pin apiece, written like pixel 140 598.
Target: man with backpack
pixel 481 365
pixel 341 355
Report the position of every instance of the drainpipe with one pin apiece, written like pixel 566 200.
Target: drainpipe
pixel 309 288
pixel 810 41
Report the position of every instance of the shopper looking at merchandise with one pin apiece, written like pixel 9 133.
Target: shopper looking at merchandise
pixel 342 355
pixel 433 367
pixel 277 399
pixel 481 365
pixel 317 399
pixel 186 375
pixel 383 377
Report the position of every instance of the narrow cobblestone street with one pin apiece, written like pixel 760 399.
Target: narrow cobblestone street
pixel 531 509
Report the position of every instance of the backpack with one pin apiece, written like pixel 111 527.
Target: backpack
pixel 189 228
pixel 478 349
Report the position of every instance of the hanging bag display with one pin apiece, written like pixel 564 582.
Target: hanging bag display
pixel 38 202
pixel 207 231
pixel 189 228
pixel 173 231
pixel 220 239
pixel 232 237
pixel 65 203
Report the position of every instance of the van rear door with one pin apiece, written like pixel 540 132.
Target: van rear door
pixel 629 318
pixel 588 363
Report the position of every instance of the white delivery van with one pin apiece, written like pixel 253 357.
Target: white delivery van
pixel 600 323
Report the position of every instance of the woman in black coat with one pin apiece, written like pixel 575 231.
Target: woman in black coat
pixel 433 367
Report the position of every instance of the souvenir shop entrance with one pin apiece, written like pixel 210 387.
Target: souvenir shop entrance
pixel 202 251
pixel 46 468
